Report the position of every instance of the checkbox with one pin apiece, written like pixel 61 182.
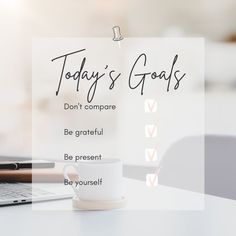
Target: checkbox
pixel 150 105
pixel 151 180
pixel 150 131
pixel 150 154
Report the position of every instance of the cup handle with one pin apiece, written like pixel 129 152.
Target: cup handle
pixel 67 177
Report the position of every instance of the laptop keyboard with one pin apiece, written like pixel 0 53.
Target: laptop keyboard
pixel 20 191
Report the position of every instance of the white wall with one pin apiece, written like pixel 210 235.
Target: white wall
pixel 20 20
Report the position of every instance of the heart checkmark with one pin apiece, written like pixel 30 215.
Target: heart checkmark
pixel 151 131
pixel 151 180
pixel 151 154
pixel 150 105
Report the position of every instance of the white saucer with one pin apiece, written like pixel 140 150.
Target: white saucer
pixel 97 205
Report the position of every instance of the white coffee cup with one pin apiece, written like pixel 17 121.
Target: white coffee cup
pixel 97 180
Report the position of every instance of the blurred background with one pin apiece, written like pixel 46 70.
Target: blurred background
pixel 22 20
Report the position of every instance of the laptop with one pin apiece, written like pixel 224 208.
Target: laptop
pixel 20 193
pixel 13 193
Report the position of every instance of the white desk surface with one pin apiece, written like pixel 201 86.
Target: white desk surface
pixel 217 218
pixel 139 197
